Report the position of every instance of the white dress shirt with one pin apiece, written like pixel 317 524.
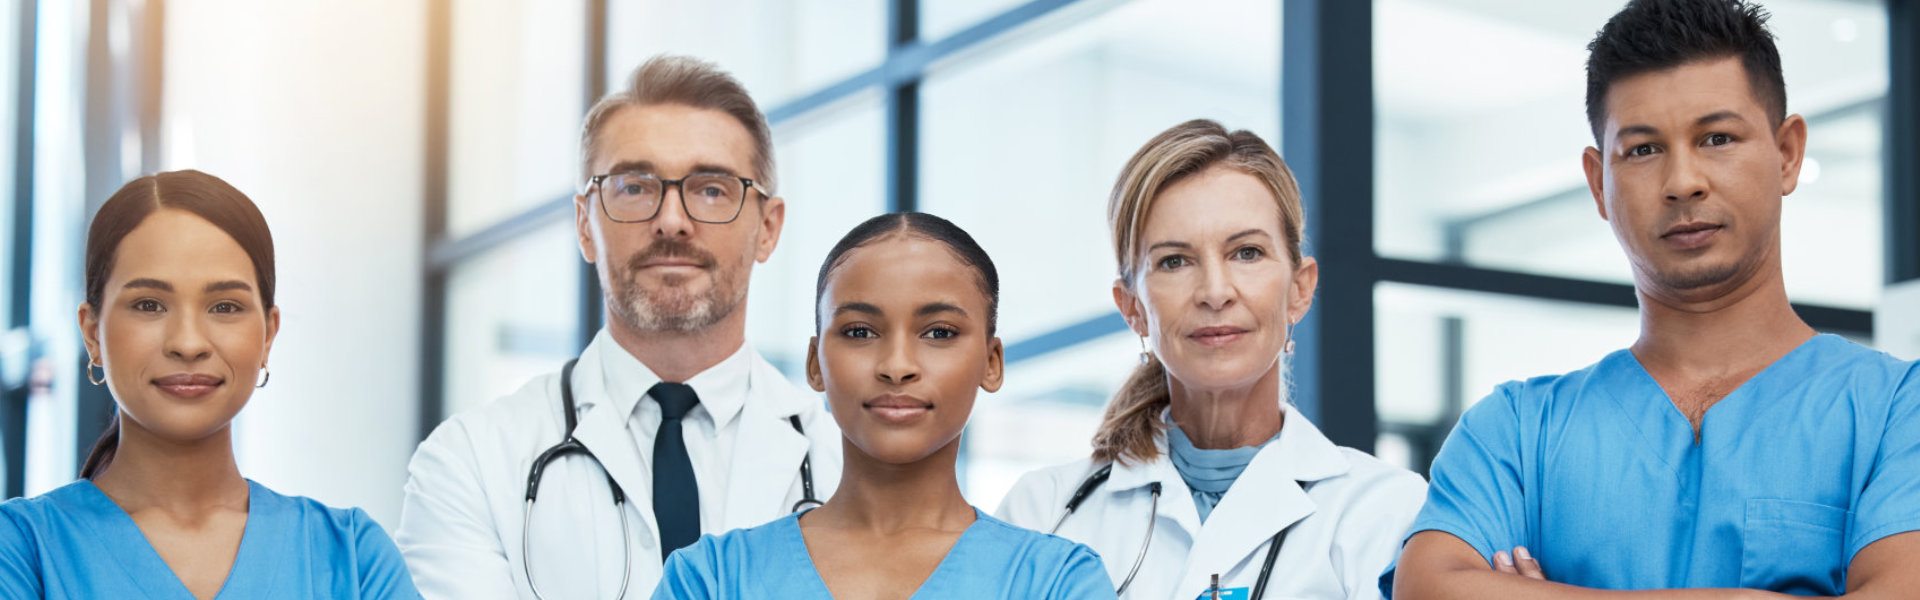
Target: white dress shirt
pixel 710 428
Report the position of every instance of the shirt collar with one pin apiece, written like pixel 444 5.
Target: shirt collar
pixel 722 388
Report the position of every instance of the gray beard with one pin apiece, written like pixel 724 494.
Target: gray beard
pixel 671 311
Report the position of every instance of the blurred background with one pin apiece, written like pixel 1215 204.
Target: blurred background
pixel 416 159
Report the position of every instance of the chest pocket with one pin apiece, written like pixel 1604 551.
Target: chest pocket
pixel 1793 547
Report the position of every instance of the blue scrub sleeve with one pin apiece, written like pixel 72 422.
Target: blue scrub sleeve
pixel 689 572
pixel 1476 493
pixel 1887 504
pixel 19 558
pixel 1083 577
pixel 383 574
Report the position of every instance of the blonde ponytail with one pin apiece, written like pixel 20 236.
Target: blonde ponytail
pixel 1130 430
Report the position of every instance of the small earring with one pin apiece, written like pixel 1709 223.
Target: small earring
pixel 1145 356
pixel 1288 348
pixel 267 375
pixel 103 374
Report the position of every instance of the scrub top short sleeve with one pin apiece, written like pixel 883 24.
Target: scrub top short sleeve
pixel 1476 493
pixel 1890 502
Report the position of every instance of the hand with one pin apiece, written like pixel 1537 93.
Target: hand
pixel 1525 566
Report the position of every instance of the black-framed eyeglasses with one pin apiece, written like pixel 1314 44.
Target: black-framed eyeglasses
pixel 637 197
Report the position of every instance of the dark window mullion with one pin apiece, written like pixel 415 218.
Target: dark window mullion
pixel 433 291
pixel 903 110
pixel 13 419
pixel 1902 198
pixel 1326 134
pixel 597 74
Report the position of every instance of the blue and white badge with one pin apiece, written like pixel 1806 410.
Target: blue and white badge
pixel 1238 593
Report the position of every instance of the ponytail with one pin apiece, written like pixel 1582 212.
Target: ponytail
pixel 103 449
pixel 1130 430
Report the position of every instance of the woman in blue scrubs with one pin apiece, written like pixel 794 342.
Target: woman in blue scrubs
pixel 178 321
pixel 905 307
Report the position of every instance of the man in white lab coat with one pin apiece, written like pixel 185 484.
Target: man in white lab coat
pixel 700 433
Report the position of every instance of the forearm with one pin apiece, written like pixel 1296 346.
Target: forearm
pixel 1485 583
pixel 1435 565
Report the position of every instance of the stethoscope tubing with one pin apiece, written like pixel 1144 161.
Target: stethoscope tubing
pixel 626 550
pixel 1099 476
pixel 569 445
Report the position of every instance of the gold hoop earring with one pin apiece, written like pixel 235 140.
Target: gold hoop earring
pixel 267 375
pixel 103 374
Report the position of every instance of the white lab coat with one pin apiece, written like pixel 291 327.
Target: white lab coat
pixel 1350 522
pixel 460 525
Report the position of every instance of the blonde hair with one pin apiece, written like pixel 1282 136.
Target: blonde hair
pixel 669 79
pixel 1129 430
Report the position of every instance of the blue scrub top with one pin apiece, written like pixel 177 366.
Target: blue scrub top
pixel 1598 475
pixel 74 542
pixel 990 560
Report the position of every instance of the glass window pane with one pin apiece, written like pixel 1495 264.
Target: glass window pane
pixel 941 18
pixel 1021 145
pixel 1439 351
pixel 832 176
pixel 515 105
pixel 779 49
pixel 1481 123
pixel 512 314
pixel 1045 414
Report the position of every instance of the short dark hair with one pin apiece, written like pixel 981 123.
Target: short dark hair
pixel 926 226
pixel 1656 35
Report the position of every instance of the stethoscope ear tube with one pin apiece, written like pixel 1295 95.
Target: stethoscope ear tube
pixel 1086 488
pixel 1093 481
pixel 807 499
pixel 567 446
pixel 1153 516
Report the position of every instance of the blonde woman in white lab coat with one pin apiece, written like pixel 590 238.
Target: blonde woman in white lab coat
pixel 1202 473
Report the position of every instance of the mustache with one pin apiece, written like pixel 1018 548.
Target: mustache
pixel 670 248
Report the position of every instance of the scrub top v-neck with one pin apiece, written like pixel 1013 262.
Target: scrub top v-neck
pixel 1600 476
pixel 74 542
pixel 992 559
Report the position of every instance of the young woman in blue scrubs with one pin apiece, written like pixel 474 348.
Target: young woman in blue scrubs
pixel 178 321
pixel 905 306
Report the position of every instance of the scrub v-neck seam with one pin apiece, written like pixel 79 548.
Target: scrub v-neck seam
pixel 121 518
pixel 1654 445
pixel 257 511
pixel 801 539
pixel 1698 435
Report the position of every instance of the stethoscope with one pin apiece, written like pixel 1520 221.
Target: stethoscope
pixel 569 446
pixel 1100 476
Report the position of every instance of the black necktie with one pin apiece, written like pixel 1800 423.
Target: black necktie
pixel 676 497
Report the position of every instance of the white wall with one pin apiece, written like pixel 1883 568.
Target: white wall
pixel 315 110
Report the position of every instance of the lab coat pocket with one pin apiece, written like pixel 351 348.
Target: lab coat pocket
pixel 1793 547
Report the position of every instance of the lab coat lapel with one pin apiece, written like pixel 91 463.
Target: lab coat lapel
pixel 1176 502
pixel 604 432
pixel 1265 498
pixel 767 451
